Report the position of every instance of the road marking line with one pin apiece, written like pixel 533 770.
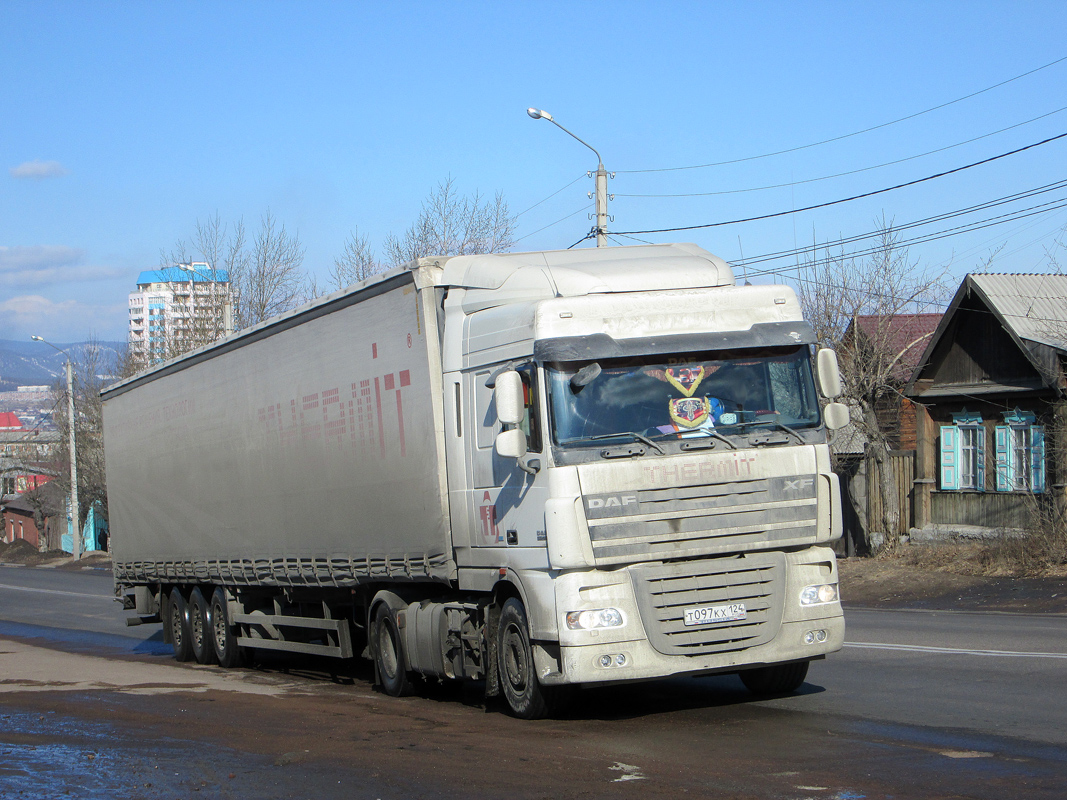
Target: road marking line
pixel 54 591
pixel 916 648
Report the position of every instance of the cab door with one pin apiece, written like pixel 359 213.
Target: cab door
pixel 506 501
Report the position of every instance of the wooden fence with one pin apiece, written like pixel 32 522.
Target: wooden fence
pixel 901 464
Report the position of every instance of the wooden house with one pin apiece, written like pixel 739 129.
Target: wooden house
pixel 987 390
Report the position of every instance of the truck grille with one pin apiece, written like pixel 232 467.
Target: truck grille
pixel 688 521
pixel 664 592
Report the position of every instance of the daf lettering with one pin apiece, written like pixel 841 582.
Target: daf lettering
pixel 612 502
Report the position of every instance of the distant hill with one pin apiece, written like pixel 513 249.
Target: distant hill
pixel 34 363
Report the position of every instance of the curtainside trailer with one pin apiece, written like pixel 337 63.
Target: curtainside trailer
pixel 537 470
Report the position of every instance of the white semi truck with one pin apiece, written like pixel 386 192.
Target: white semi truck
pixel 538 470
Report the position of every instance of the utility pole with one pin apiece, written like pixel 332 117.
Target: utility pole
pixel 76 544
pixel 600 187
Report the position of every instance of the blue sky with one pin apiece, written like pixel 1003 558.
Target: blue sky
pixel 121 124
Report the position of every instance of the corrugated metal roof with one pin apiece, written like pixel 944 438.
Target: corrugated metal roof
pixel 1033 306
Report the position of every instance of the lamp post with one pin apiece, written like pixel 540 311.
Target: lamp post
pixel 601 179
pixel 227 306
pixel 75 526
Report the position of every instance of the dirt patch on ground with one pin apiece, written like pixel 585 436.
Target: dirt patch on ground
pixel 941 577
pixel 24 553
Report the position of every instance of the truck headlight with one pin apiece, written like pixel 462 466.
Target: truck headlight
pixel 818 594
pixel 597 618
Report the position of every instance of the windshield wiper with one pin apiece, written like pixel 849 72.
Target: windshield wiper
pixel 695 443
pixel 640 437
pixel 774 424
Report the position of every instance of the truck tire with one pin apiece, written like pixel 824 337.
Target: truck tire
pixel 178 622
pixel 223 634
pixel 389 661
pixel 518 678
pixel 775 679
pixel 200 628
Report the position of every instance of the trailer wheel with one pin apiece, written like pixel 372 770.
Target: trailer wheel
pixel 223 635
pixel 178 622
pixel 389 654
pixel 200 628
pixel 775 679
pixel 515 664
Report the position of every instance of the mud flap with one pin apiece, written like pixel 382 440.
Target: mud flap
pixel 492 676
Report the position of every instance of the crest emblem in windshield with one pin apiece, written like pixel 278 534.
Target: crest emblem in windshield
pixel 690 412
pixel 685 379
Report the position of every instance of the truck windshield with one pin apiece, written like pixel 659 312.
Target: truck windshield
pixel 687 395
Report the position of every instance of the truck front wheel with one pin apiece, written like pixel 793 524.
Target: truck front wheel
pixel 775 679
pixel 389 654
pixel 518 678
pixel 178 620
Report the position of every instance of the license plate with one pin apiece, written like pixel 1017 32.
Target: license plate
pixel 711 614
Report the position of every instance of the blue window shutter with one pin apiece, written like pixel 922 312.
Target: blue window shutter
pixel 1037 457
pixel 979 478
pixel 1002 434
pixel 950 459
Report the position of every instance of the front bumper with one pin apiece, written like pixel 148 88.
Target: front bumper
pixel 653 644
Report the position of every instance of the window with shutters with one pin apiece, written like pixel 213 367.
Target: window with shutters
pixel 1020 451
pixel 963 453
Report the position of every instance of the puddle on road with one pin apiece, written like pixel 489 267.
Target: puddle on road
pixel 48 756
pixel 87 642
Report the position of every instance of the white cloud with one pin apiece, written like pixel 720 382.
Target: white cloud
pixel 38 170
pixel 46 264
pixel 64 320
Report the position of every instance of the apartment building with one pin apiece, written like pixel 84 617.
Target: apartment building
pixel 177 308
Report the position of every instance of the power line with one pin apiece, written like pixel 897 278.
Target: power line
pixel 855 133
pixel 999 201
pixel 853 171
pixel 586 207
pixel 849 199
pixel 535 205
pixel 589 235
pixel 931 237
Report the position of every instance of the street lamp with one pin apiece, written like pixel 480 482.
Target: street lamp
pixel 75 528
pixel 601 179
pixel 227 307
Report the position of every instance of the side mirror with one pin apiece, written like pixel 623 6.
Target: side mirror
pixel 510 404
pixel 511 443
pixel 835 415
pixel 585 376
pixel 829 373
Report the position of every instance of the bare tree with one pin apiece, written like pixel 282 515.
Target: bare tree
pixel 883 287
pixel 356 263
pixel 266 277
pixel 271 280
pixel 451 225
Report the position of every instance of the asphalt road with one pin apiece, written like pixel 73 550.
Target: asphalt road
pixel 918 704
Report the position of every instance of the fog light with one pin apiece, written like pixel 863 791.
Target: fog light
pixel 596 618
pixel 605 661
pixel 811 637
pixel 820 636
pixel 620 660
pixel 818 594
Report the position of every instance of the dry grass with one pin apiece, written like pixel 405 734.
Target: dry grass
pixel 1031 556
